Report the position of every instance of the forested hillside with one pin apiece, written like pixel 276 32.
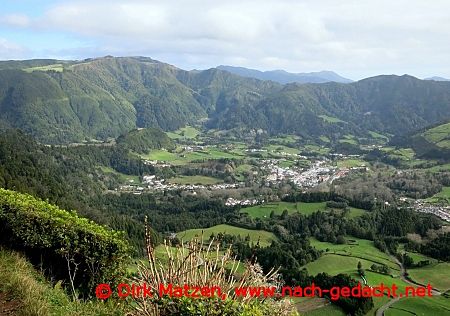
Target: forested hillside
pixel 73 101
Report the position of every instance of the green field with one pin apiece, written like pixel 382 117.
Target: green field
pixel 438 275
pixel 324 139
pixel 439 135
pixel 355 212
pixel 281 148
pixel 184 157
pixel 350 139
pixel 355 248
pixel 161 155
pixel 441 197
pixel 345 258
pixel 436 306
pixel 125 178
pixel 284 139
pixel 331 119
pixel 329 310
pixel 239 172
pixel 264 236
pixel 378 136
pixel 264 210
pixel 187 132
pixel 211 153
pixel 195 180
pixel 443 167
pixel 349 163
pixel 54 67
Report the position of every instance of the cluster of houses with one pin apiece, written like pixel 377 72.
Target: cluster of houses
pixel 156 163
pixel 246 202
pixel 318 173
pixel 443 212
pixel 153 183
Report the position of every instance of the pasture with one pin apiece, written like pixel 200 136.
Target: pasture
pixel 436 306
pixel 356 248
pixel 264 210
pixel 195 180
pixel 265 237
pixel 438 275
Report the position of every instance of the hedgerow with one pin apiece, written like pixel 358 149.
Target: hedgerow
pixel 66 246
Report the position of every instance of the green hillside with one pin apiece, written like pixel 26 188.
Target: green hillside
pixel 439 135
pixel 72 101
pixel 144 140
pixel 264 237
pixel 431 142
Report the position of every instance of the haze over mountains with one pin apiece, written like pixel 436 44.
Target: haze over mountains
pixel 284 77
pixel 70 101
pixel 435 78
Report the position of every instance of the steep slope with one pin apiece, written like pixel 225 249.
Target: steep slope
pixel 389 104
pixel 106 97
pixel 431 142
pixel 143 140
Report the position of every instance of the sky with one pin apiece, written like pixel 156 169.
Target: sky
pixel 355 38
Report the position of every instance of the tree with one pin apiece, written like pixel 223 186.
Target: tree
pixel 341 240
pixel 361 271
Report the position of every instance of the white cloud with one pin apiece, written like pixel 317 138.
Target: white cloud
pixel 17 20
pixel 354 37
pixel 10 50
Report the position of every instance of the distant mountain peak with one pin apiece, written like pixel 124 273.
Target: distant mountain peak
pixel 284 77
pixel 436 78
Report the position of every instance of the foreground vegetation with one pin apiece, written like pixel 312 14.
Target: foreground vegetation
pixel 27 293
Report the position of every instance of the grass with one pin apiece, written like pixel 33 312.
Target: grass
pixel 356 212
pixel 124 178
pixel 195 180
pixel 443 167
pixel 317 149
pixel 32 295
pixel 438 275
pixel 350 139
pixel 184 157
pixel 335 264
pixel 281 148
pixel 162 155
pixel 349 163
pixel 441 197
pixel 285 139
pixel 331 119
pixel 329 310
pixel 187 132
pixel 378 136
pixel 240 171
pixel 54 67
pixel 264 210
pixel 436 306
pixel 439 135
pixel 264 236
pixel 324 139
pixel 358 249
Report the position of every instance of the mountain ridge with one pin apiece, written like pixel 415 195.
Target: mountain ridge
pixel 102 98
pixel 284 77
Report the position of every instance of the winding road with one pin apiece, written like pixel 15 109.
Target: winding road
pixel 403 277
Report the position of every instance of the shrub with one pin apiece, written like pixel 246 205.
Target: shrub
pixel 67 246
